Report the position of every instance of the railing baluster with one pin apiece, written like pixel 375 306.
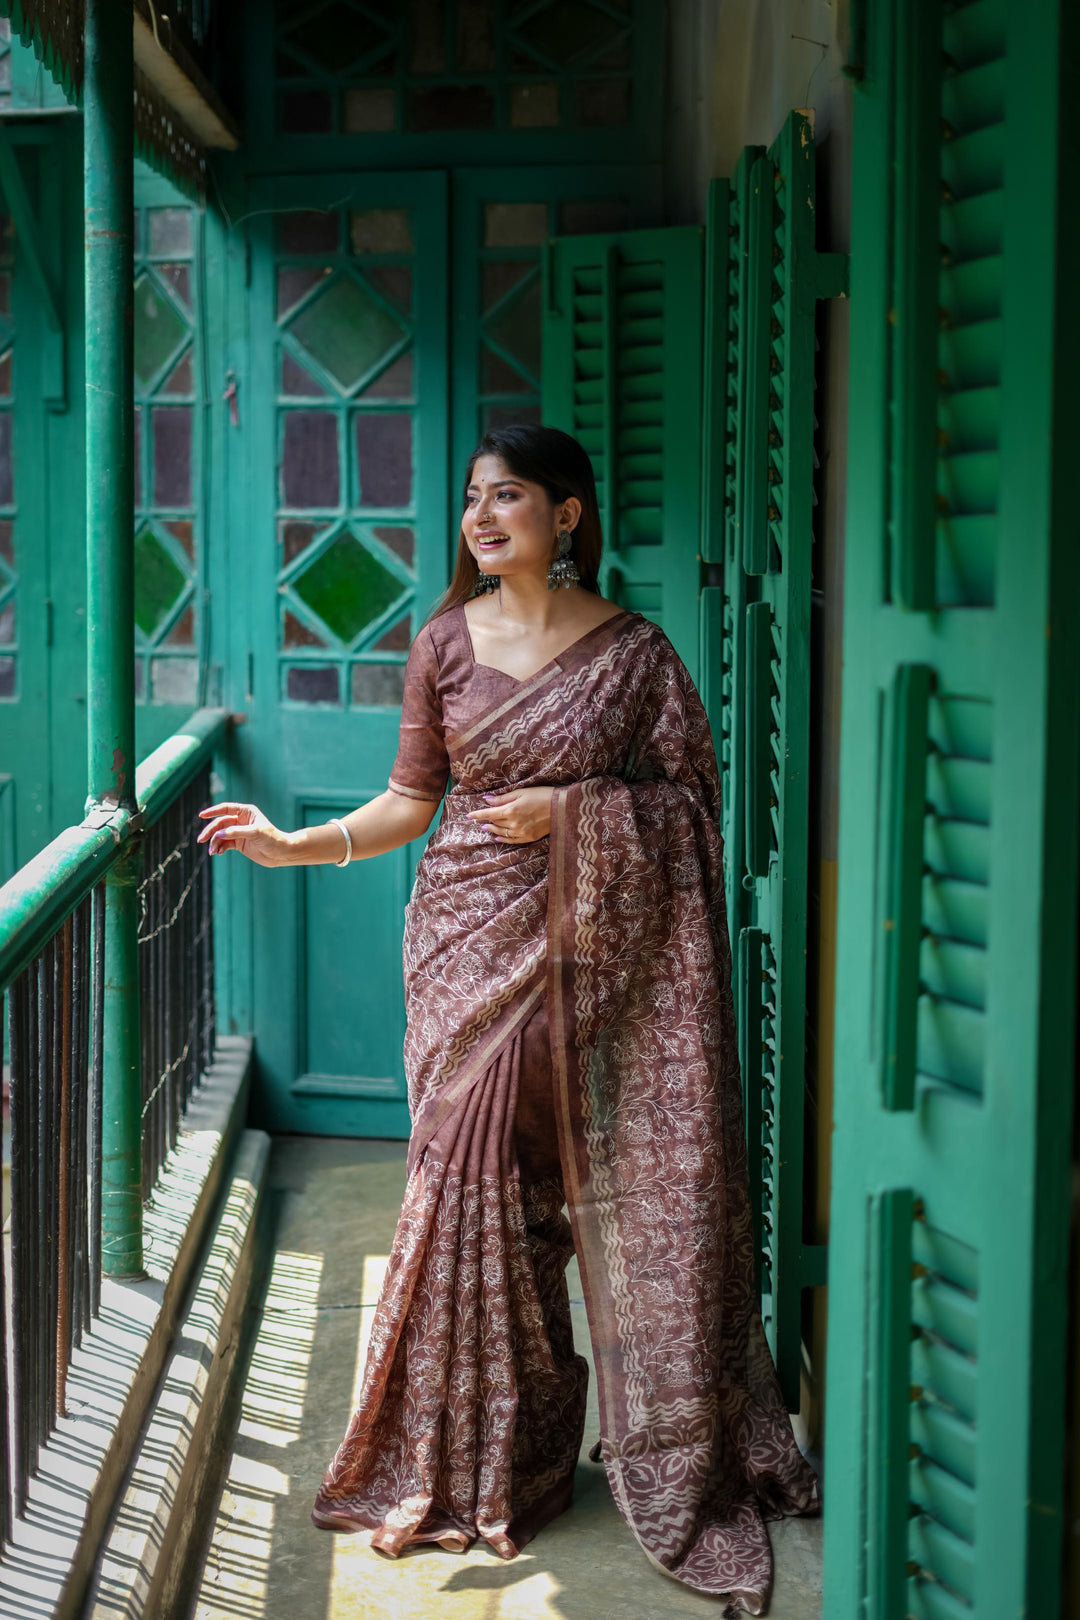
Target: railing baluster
pixel 97 1041
pixel 19 1026
pixel 65 1247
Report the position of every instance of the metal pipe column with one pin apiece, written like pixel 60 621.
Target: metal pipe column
pixel 109 269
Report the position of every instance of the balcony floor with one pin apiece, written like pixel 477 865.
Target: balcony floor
pixel 335 1204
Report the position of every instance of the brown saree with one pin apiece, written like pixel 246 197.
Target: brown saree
pixel 571 1036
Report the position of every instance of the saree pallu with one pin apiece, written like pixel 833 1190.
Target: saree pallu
pixel 609 939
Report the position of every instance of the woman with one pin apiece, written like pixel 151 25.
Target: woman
pixel 570 1040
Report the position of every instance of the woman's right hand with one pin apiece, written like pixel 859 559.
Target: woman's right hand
pixel 244 827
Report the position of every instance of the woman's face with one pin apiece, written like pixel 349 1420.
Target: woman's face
pixel 510 524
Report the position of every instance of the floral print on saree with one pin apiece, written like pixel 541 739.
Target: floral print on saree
pixel 591 968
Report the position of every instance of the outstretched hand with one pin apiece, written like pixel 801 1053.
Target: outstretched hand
pixel 243 827
pixel 519 817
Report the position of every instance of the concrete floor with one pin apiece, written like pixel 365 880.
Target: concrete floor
pixel 336 1205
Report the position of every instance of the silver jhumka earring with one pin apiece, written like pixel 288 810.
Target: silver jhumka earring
pixel 485 583
pixel 563 569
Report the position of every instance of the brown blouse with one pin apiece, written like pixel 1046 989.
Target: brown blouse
pixel 446 691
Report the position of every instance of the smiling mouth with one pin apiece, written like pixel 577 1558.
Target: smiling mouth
pixel 488 542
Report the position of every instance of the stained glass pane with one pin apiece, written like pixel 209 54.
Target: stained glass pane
pixel 170 230
pixel 297 381
pixel 501 275
pixel 384 457
pixel 183 529
pixel 313 683
pixel 7 623
pixel 180 379
pixel 179 277
pixel 336 37
pixel 346 330
pixel 568 29
pixel 452 106
pixel 367 111
pixel 173 679
pixel 500 416
pixel 310 474
pixel 172 454
pixel 7 677
pixel 347 587
pixel 397 638
pixel 7 471
pixel 294 280
pixel 381 685
pixel 534 106
pixel 475 36
pixel 588 218
pixel 515 224
pixel 401 541
pixel 158 329
pixel 396 382
pixel 296 537
pixel 305 112
pixel 517 329
pixel 394 281
pixel 499 378
pixel 5 375
pixel 307 230
pixel 603 101
pixel 428 37
pixel 182 633
pixel 158 581
pixel 297 634
pixel 380 230
pixel 7 543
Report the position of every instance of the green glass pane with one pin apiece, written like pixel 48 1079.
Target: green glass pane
pixel 158 329
pixel 346 330
pixel 158 581
pixel 567 30
pixel 517 329
pixel 347 587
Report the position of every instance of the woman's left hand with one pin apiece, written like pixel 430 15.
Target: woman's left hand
pixel 520 817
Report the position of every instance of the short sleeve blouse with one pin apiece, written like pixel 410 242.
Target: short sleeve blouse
pixel 422 766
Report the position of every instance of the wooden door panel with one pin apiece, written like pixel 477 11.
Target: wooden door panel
pixel 348 552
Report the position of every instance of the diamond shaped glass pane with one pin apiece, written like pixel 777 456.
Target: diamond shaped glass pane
pixel 346 330
pixel 158 329
pixel 337 36
pixel 568 29
pixel 347 587
pixel 158 581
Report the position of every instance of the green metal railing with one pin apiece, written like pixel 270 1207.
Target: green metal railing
pixel 61 968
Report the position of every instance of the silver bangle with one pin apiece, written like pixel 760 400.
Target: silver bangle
pixel 334 822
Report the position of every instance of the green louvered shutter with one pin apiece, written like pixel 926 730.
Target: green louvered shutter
pixel 622 372
pixel 958 826
pixel 764 277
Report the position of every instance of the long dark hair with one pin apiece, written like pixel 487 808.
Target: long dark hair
pixel 553 459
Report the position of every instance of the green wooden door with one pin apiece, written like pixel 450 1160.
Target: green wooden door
pixel 345 421
pixel 622 372
pixel 958 826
